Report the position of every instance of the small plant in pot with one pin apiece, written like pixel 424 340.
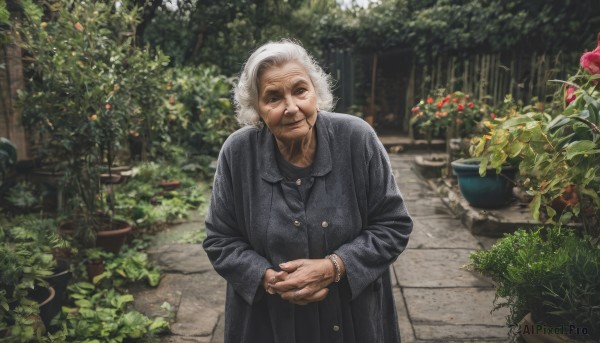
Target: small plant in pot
pixel 546 278
pixel 26 263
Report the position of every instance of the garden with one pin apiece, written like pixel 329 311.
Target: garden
pixel 113 132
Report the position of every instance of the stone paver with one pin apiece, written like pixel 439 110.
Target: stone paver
pixel 461 306
pixel 407 333
pixel 473 333
pixel 436 268
pixel 427 207
pixel 181 258
pixel 441 232
pixel 194 319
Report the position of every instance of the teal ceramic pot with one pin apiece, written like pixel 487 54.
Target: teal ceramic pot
pixel 490 191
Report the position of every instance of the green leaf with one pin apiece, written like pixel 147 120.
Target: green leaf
pixel 535 206
pixel 123 299
pixel 580 147
pixel 515 148
pixel 517 121
pixel 153 278
pixel 83 303
pixel 557 122
pixel 483 166
pixel 159 324
pixel 4 14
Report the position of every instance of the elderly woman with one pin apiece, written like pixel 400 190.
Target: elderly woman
pixel 305 216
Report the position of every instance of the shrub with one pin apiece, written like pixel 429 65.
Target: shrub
pixel 551 273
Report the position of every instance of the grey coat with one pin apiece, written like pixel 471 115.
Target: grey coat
pixel 258 220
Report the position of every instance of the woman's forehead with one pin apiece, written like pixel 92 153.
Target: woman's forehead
pixel 290 72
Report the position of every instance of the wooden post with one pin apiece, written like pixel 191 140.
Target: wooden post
pixel 410 99
pixel 372 110
pixel 12 80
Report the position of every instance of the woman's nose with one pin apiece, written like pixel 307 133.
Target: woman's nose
pixel 290 105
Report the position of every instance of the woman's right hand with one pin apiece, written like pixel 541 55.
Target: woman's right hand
pixel 272 277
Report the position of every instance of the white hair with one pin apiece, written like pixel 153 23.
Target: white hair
pixel 245 92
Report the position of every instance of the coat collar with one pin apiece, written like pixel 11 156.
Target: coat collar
pixel 269 170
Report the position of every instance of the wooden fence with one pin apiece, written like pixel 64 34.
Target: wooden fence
pixel 397 81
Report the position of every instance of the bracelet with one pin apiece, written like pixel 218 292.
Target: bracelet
pixel 338 272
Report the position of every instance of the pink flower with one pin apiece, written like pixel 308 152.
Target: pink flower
pixel 460 108
pixel 471 105
pixel 590 61
pixel 570 96
pixel 493 116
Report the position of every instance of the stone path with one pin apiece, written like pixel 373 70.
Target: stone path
pixel 437 301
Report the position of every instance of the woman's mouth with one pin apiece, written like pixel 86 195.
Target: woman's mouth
pixel 295 123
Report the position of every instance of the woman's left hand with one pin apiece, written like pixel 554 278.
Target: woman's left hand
pixel 306 282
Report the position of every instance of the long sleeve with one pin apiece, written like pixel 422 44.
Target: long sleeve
pixel 226 245
pixel 388 225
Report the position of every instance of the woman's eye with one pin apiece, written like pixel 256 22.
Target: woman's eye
pixel 273 99
pixel 301 91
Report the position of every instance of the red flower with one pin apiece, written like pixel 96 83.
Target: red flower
pixel 570 96
pixel 467 97
pixel 460 108
pixel 470 105
pixel 447 98
pixel 430 100
pixel 415 109
pixel 590 61
pixel 455 100
pixel 107 106
pixel 440 105
pixel 78 26
pixel 493 115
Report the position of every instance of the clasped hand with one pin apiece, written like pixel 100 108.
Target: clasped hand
pixel 300 281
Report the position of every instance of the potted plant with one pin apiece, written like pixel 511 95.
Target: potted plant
pixel 453 115
pixel 85 77
pixel 490 189
pixel 557 153
pixel 26 261
pixel 546 278
pixel 23 198
pixel 8 157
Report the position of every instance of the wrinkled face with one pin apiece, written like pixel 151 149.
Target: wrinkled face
pixel 287 101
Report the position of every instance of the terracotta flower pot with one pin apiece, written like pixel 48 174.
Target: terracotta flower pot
pixel 110 239
pixel 170 185
pixel 568 198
